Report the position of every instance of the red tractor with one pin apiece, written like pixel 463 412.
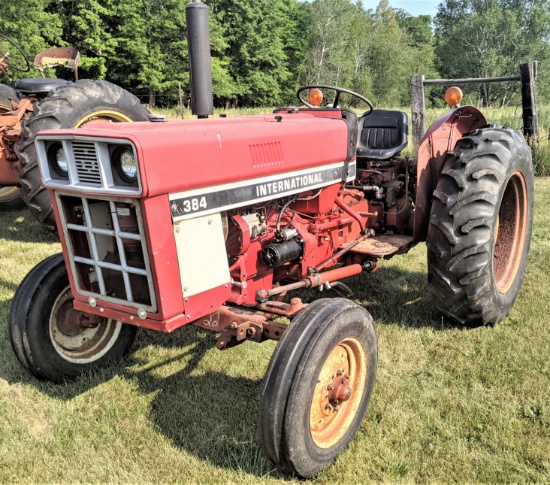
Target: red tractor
pixel 45 103
pixel 213 222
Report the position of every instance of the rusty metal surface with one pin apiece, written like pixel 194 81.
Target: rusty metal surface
pixel 68 57
pixel 10 133
pixel 311 281
pixel 237 325
pixel 436 146
pixel 510 232
pixel 338 392
pixel 285 309
pixel 385 245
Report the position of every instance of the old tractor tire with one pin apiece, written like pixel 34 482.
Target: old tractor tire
pixel 47 334
pixel 7 92
pixel 10 197
pixel 317 386
pixel 480 227
pixel 73 106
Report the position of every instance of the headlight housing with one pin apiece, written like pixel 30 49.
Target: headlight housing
pixel 57 159
pixel 125 163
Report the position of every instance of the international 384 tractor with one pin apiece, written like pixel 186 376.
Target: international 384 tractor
pixel 211 222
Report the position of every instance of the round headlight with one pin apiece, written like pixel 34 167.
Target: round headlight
pixel 126 164
pixel 58 160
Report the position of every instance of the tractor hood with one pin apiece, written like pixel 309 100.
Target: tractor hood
pixel 185 155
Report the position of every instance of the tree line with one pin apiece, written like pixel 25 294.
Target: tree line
pixel 262 50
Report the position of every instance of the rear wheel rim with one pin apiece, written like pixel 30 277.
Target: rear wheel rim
pixel 330 417
pixel 76 343
pixel 510 232
pixel 9 194
pixel 103 116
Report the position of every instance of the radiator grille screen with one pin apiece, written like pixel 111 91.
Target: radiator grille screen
pixel 108 250
pixel 87 163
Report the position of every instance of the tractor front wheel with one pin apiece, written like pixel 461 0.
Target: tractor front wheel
pixel 480 226
pixel 318 386
pixel 53 340
pixel 73 106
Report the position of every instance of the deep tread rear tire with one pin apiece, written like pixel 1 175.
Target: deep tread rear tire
pixel 480 226
pixel 7 92
pixel 35 339
pixel 288 401
pixel 66 107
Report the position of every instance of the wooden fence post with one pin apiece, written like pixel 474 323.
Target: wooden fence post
pixel 529 100
pixel 418 111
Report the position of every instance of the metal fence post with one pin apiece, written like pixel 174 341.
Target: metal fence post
pixel 529 100
pixel 418 111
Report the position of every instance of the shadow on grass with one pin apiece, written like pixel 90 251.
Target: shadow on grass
pixel 20 225
pixel 211 414
pixel 206 413
pixel 393 296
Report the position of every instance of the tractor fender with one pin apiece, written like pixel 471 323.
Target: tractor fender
pixel 437 144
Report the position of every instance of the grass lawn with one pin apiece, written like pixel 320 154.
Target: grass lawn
pixel 449 405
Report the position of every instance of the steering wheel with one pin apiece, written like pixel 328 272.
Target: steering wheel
pixel 15 60
pixel 337 92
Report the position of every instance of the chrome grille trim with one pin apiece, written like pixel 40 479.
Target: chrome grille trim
pixel 89 160
pixel 124 268
pixel 87 163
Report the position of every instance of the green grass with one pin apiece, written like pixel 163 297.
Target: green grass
pixel 449 405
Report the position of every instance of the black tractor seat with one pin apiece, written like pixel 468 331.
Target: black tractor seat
pixel 40 85
pixel 382 134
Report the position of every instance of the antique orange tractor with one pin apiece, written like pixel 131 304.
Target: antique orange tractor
pixel 215 222
pixel 45 103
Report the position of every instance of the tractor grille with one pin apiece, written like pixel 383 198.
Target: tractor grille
pixel 87 163
pixel 108 250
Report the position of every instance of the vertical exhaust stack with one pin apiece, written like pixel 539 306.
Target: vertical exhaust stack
pixel 198 41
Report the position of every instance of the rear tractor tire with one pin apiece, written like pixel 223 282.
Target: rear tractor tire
pixel 74 106
pixel 318 386
pixel 47 334
pixel 6 92
pixel 480 227
pixel 10 198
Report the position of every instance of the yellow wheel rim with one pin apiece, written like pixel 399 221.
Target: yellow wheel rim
pixel 7 194
pixel 510 232
pixel 338 392
pixel 103 116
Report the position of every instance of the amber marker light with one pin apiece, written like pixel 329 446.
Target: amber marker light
pixel 453 96
pixel 315 97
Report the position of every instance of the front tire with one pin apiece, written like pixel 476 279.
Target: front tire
pixel 47 334
pixel 74 106
pixel 480 227
pixel 317 386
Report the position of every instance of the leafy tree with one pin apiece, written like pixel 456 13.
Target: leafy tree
pixel 32 25
pixel 486 38
pixel 85 27
pixel 331 60
pixel 393 58
pixel 152 49
pixel 260 47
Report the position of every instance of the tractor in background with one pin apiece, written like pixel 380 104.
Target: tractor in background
pixel 215 222
pixel 46 103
